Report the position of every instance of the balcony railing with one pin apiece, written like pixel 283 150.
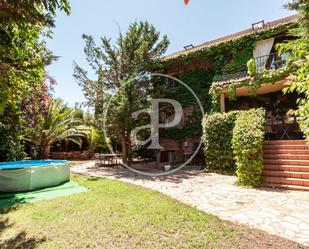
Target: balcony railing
pixel 272 61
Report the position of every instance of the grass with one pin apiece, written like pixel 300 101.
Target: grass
pixel 119 215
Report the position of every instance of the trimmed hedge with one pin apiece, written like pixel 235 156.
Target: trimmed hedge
pixel 247 143
pixel 217 136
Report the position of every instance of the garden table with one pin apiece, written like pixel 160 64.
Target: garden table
pixel 109 158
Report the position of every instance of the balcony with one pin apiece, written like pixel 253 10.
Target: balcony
pixel 273 61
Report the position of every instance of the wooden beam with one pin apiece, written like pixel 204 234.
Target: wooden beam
pixel 222 102
pixel 263 89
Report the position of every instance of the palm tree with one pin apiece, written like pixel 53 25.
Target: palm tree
pixel 60 123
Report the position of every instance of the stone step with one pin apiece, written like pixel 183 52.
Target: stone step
pixel 286 151
pixel 286 162
pixel 287 187
pixel 287 174
pixel 286 181
pixel 290 142
pixel 292 168
pixel 286 156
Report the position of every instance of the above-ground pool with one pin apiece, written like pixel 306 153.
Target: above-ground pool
pixel 30 175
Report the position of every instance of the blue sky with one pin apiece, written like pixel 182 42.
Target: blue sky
pixel 200 21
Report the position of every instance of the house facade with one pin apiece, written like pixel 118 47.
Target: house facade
pixel 225 60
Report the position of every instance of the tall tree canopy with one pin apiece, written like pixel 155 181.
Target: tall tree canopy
pixel 23 57
pixel 22 54
pixel 134 53
pixel 301 6
pixel 22 62
pixel 32 11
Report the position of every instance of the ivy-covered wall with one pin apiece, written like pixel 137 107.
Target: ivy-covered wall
pixel 200 82
pixel 224 58
pixel 232 55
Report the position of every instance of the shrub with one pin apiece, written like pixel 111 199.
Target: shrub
pixel 11 144
pixel 11 148
pixel 247 143
pixel 217 136
pixel 97 141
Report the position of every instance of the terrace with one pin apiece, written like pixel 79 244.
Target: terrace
pixel 273 61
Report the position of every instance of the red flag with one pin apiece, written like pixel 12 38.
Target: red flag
pixel 186 1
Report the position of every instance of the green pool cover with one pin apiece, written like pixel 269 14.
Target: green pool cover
pixel 69 188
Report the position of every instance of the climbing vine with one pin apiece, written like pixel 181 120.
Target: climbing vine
pixel 232 54
pixel 230 57
pixel 200 82
pixel 252 82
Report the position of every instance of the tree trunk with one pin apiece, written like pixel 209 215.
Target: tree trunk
pixel 129 148
pixel 44 152
pixel 66 149
pixel 124 146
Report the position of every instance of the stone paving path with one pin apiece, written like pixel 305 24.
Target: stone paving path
pixel 279 212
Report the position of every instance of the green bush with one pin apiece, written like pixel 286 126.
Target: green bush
pixel 247 143
pixel 217 136
pixel 97 141
pixel 11 148
pixel 11 143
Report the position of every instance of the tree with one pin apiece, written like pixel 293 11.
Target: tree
pixel 97 141
pixel 35 105
pixel 23 54
pixel 11 133
pixel 22 62
pixel 22 74
pixel 32 11
pixel 302 6
pixel 134 53
pixel 23 57
pixel 20 117
pixel 298 51
pixel 60 123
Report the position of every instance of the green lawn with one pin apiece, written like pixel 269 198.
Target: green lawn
pixel 118 215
